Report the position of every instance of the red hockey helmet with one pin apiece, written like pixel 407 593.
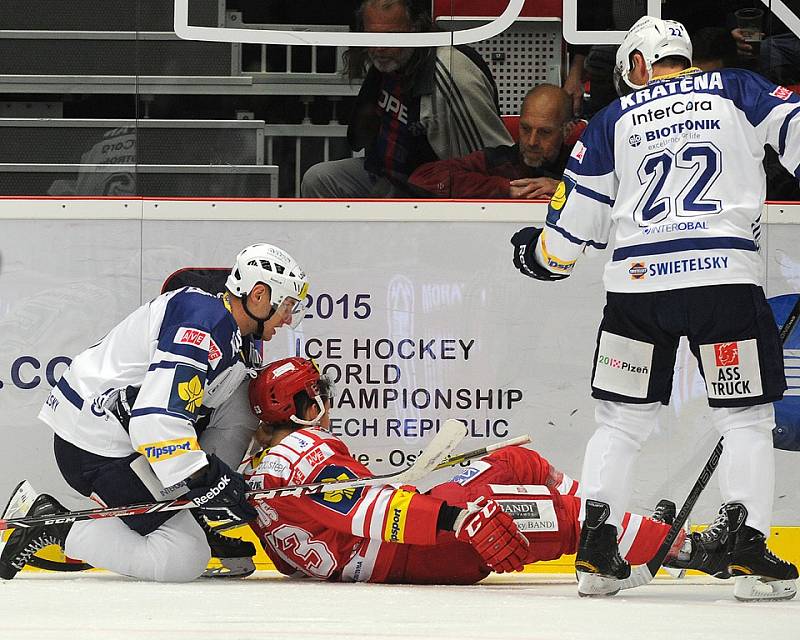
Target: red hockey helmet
pixel 272 392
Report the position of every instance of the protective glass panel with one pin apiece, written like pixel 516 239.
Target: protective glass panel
pixel 275 84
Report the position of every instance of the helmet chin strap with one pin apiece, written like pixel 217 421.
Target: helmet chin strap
pixel 315 421
pixel 259 321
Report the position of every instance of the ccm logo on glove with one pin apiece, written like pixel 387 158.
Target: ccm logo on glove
pixel 493 534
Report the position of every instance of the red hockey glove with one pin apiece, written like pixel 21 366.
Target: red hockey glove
pixel 493 534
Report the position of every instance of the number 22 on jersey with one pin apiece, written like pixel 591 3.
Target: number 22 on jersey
pixel 678 183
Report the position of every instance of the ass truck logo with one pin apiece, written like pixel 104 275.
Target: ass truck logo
pixel 734 378
pixel 726 354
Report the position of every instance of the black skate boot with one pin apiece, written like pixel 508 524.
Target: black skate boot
pixel 24 542
pixel 664 512
pixel 706 551
pixel 235 555
pixel 760 574
pixel 598 563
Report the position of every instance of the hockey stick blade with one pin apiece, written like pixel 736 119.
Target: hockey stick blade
pixel 450 434
pixel 438 450
pixel 642 574
pixel 477 453
pixel 19 503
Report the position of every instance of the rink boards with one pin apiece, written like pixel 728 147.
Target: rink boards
pixel 415 310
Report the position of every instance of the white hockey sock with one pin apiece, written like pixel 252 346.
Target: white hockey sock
pixel 747 466
pixel 611 453
pixel 175 552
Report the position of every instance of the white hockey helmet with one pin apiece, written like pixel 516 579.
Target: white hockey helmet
pixel 655 39
pixel 275 268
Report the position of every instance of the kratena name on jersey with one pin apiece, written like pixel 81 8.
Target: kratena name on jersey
pixel 689 84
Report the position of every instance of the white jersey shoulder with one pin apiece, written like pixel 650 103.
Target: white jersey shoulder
pixel 671 176
pixel 158 367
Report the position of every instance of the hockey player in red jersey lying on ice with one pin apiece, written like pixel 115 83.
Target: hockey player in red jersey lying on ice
pixel 509 509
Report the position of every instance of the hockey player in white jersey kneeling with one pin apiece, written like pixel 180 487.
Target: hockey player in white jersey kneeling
pixel 129 412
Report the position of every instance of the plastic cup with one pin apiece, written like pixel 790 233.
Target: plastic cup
pixel 749 23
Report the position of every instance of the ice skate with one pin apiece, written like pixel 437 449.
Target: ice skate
pixel 760 574
pixel 598 564
pixel 23 543
pixel 665 512
pixel 234 554
pixel 705 551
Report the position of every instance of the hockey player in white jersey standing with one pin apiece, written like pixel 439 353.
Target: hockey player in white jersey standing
pixel 672 170
pixel 127 414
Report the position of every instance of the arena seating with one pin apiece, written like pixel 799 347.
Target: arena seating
pixel 528 53
pixel 94 157
pixel 127 47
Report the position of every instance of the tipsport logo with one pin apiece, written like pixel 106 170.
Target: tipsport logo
pixel 158 451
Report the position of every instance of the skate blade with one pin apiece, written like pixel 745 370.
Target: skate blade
pixel 757 589
pixel 231 568
pixel 674 573
pixel 591 585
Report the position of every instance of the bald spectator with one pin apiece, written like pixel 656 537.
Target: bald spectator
pixel 529 169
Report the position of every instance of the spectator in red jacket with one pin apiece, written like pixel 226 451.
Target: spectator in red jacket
pixel 529 169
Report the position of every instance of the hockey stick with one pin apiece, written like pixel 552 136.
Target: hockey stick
pixel 642 574
pixel 451 461
pixel 449 435
pixel 790 322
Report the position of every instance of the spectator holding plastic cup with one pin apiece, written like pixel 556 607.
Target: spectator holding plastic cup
pixel 748 34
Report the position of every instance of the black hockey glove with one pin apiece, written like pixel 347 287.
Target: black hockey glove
pixel 524 242
pixel 220 493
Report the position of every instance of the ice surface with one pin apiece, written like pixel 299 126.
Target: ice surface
pixel 266 606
